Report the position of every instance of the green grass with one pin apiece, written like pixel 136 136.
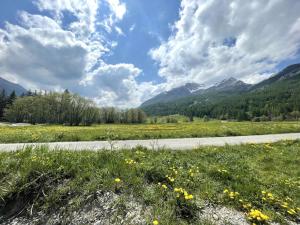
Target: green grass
pixel 64 178
pixel 198 128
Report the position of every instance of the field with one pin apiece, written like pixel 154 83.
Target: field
pixel 49 133
pixel 254 184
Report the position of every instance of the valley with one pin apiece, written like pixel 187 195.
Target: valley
pixel 129 112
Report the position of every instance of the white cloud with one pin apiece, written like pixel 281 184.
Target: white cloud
pixel 119 31
pixel 215 39
pixel 132 27
pixel 42 57
pixel 117 85
pixel 118 8
pixel 117 12
pixel 37 21
pixel 84 10
pixel 42 52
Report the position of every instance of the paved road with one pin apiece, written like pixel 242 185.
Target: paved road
pixel 176 144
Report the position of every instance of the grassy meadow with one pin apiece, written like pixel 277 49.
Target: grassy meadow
pixel 172 187
pixel 198 128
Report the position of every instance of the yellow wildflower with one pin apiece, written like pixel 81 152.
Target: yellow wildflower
pixel 155 222
pixel 164 186
pixel 188 197
pixel 270 195
pixel 255 214
pixel 177 189
pixel 117 180
pixel 291 211
pixel 226 191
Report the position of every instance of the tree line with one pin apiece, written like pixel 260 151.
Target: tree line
pixel 6 100
pixel 66 108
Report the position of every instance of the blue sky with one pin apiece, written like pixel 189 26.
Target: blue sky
pixel 150 23
pixel 122 52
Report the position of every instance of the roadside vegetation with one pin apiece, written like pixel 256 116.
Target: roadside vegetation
pixel 177 129
pixel 261 182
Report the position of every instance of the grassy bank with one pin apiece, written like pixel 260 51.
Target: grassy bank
pixel 143 131
pixel 170 187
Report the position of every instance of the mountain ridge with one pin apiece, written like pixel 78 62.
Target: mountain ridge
pixel 192 89
pixel 288 72
pixel 9 87
pixel 268 98
pixel 175 93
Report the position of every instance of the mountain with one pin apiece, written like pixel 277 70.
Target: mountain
pixel 287 73
pixel 230 85
pixel 276 97
pixel 9 87
pixel 194 89
pixel 175 93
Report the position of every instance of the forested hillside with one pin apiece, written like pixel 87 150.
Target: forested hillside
pixel 277 98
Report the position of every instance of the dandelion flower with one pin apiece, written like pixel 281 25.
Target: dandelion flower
pixel 188 197
pixel 155 222
pixel 225 191
pixel 117 180
pixel 291 211
pixel 164 186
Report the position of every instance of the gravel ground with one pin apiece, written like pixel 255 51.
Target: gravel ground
pixel 221 215
pixel 107 209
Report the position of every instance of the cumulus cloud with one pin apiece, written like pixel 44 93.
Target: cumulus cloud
pixel 84 10
pixel 41 55
pixel 214 40
pixel 118 10
pixel 117 85
pixel 43 52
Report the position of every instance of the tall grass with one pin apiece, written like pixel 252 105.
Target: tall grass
pixel 48 133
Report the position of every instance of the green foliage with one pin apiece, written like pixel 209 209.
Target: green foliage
pixel 66 108
pixel 5 101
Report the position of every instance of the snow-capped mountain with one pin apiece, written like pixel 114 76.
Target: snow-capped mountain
pixel 190 89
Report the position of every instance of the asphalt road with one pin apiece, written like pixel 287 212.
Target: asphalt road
pixel 156 144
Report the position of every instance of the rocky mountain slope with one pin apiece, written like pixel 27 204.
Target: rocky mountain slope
pixel 10 87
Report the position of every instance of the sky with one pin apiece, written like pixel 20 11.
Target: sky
pixel 123 52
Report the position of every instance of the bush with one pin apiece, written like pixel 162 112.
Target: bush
pixel 205 118
pixel 170 119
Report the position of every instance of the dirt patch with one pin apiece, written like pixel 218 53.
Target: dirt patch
pixel 221 215
pixel 107 208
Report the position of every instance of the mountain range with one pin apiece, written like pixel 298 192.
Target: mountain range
pixel 9 87
pixel 275 92
pixel 193 89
